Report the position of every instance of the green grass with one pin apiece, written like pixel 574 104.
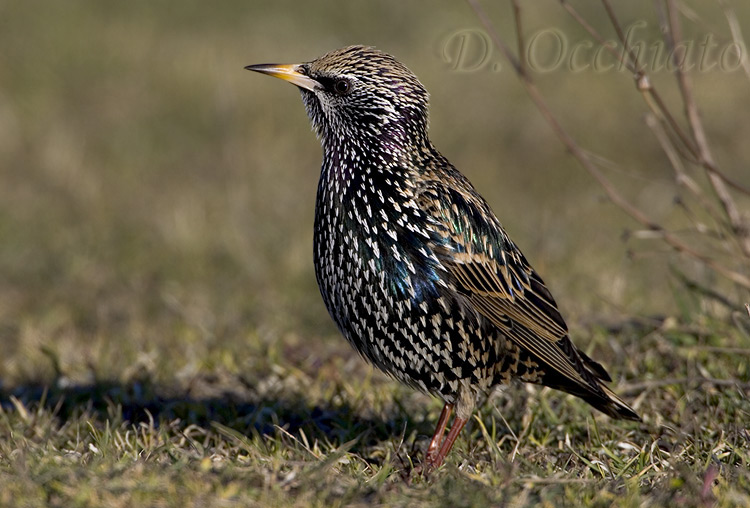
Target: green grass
pixel 163 340
pixel 258 428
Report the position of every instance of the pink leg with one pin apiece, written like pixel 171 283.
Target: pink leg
pixel 458 424
pixel 437 437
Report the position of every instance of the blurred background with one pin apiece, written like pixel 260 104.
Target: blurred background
pixel 156 200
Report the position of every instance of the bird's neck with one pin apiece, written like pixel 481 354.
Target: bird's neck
pixel 349 159
pixel 392 144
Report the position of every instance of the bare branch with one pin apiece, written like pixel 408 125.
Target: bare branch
pixel 643 82
pixel 499 43
pixel 596 35
pixel 681 177
pixel 674 35
pixel 581 155
pixel 621 35
pixel 523 67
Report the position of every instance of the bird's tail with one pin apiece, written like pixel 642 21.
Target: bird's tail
pixel 613 405
pixel 596 393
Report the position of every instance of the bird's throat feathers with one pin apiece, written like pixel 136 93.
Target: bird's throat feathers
pixel 377 134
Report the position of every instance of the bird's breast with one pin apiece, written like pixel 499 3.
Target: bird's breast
pixel 370 238
pixel 384 286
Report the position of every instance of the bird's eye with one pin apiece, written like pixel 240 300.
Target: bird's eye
pixel 342 86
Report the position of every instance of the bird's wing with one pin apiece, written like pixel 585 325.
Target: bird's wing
pixel 490 270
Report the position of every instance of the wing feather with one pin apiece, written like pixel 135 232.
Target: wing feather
pixel 492 272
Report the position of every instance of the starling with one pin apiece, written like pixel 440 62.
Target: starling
pixel 413 265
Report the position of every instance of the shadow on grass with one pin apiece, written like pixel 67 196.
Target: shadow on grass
pixel 142 401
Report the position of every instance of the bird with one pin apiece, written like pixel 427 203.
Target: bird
pixel 413 265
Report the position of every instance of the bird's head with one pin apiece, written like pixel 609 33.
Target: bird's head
pixel 359 95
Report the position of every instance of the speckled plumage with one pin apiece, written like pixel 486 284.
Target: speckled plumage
pixel 413 265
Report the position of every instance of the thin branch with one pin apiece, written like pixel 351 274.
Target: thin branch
pixel 621 35
pixel 522 64
pixel 587 163
pixel 572 146
pixel 664 23
pixel 681 177
pixel 596 35
pixel 701 289
pixel 499 43
pixel 738 228
pixel 643 82
pixel 674 35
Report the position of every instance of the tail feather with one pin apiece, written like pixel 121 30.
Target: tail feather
pixel 595 367
pixel 600 396
pixel 616 407
pixel 589 384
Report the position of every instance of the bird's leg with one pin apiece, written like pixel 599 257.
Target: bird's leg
pixel 437 437
pixel 464 406
pixel 458 424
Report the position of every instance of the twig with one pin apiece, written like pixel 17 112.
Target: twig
pixel 499 43
pixel 707 292
pixel 681 176
pixel 587 163
pixel 643 82
pixel 684 180
pixel 522 64
pixel 621 35
pixel 674 36
pixel 596 35
pixel 703 290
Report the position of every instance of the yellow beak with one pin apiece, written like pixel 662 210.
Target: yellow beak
pixel 287 72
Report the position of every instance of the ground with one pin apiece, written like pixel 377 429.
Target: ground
pixel 254 425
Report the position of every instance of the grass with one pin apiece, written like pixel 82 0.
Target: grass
pixel 261 429
pixel 163 339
